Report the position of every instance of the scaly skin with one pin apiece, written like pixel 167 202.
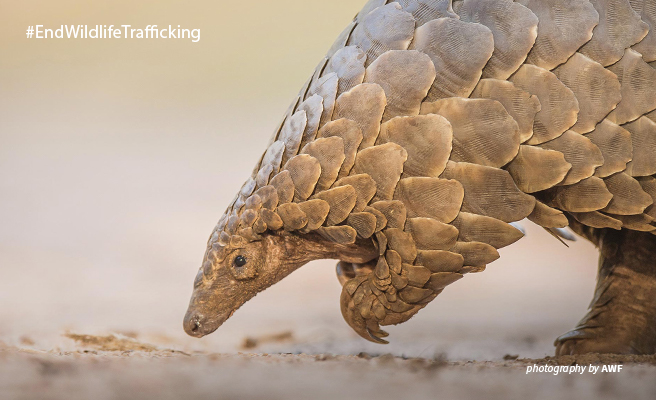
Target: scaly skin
pixel 622 316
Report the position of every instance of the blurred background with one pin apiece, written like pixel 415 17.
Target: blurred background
pixel 117 157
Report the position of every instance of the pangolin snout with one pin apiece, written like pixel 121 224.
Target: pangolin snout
pixel 197 325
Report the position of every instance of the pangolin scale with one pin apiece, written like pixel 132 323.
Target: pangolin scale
pixel 428 129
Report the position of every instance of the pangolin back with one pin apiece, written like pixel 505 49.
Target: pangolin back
pixel 431 126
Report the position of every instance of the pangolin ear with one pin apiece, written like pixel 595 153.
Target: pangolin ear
pixel 242 268
pixel 246 263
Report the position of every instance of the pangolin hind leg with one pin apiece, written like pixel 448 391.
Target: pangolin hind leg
pixel 622 315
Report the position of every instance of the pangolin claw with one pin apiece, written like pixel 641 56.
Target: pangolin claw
pixel 377 336
pixel 368 328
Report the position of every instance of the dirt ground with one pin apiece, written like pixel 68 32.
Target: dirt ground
pixel 309 353
pixel 123 368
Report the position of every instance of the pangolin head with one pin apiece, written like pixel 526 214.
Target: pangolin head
pixel 240 262
pixel 232 275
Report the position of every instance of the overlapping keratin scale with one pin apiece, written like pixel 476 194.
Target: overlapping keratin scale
pixel 521 105
pixel 348 63
pixel 384 164
pixel 639 222
pixel 430 234
pixel 596 89
pixel 313 107
pixel 326 87
pixel 514 28
pixel 647 11
pixel 587 195
pixel 648 184
pixel 435 198
pixel 619 28
pixel 273 157
pixel 479 228
pixel 292 133
pixel 394 212
pixel 595 219
pixel 559 106
pixel 367 8
pixel 284 186
pixel 628 196
pixel 637 79
pixel 329 151
pixel 646 221
pixel 616 147
pixel 318 73
pixel 304 171
pixel 351 136
pixel 364 223
pixel 490 191
pixel 364 104
pixel 476 254
pixel 643 139
pixel 365 189
pixel 428 10
pixel 459 60
pixel 483 131
pixel 406 77
pixel 564 26
pixel 383 29
pixel 547 217
pixel 427 140
pixel 580 152
pixel 536 169
pixel 341 199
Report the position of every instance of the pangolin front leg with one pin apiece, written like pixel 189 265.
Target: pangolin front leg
pixel 346 270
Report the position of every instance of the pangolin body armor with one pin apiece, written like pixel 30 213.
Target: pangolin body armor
pixel 431 126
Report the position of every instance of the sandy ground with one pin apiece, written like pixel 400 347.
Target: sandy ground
pixel 114 368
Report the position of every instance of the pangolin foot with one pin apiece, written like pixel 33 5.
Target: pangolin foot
pixel 594 340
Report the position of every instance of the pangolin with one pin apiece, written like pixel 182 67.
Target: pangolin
pixel 427 130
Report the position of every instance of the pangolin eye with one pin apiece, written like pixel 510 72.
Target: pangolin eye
pixel 240 261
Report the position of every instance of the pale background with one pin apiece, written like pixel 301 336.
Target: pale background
pixel 118 156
